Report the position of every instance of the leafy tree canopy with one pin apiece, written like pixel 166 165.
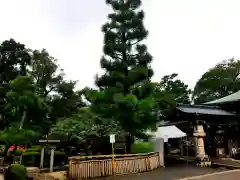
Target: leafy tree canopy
pixel 33 91
pixel 176 88
pixel 12 135
pixel 170 91
pixel 25 105
pixel 217 82
pixel 45 72
pixel 85 124
pixel 14 59
pixel 50 84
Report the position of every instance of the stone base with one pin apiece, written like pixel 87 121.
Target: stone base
pixel 203 161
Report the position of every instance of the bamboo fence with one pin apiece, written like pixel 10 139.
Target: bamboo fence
pixel 102 166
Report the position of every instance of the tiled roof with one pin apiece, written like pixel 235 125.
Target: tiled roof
pixel 203 109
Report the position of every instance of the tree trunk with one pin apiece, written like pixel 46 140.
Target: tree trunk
pixel 22 120
pixel 129 143
pixel 86 150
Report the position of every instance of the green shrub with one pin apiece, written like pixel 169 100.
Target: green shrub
pixel 18 152
pixel 32 150
pixel 31 153
pixel 16 172
pixel 142 147
pixel 31 158
pixel 38 147
pixel 27 152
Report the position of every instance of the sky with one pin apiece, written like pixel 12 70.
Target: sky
pixel 185 36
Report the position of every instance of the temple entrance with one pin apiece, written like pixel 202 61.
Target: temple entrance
pixel 209 128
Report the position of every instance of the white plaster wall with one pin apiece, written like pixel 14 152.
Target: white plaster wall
pixel 158 145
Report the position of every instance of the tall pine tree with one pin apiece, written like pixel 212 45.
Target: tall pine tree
pixel 125 91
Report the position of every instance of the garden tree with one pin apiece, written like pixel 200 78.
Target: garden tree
pixel 125 89
pixel 164 101
pixel 14 59
pixel 169 92
pixel 87 92
pixel 25 106
pixel 217 82
pixel 45 72
pixel 12 135
pixel 25 110
pixel 84 125
pixel 67 101
pixel 33 92
pixel 175 87
pixel 57 92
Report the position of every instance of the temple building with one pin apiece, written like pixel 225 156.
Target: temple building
pixel 212 127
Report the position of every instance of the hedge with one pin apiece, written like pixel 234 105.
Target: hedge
pixel 142 147
pixel 16 172
pixel 31 157
pixel 32 150
pixel 30 153
pixel 37 147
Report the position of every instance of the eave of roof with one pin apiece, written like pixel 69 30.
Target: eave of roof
pixel 227 99
pixel 204 109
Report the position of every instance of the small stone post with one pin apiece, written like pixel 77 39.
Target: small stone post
pixel 42 156
pixel 201 157
pixel 52 159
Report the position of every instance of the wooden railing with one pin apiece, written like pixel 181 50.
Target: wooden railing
pixel 101 166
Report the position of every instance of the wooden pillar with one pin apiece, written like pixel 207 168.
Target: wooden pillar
pixel 42 156
pixel 201 157
pixel 181 148
pixel 52 159
pixel 229 147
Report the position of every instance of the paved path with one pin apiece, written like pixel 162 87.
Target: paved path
pixel 227 175
pixel 168 173
pixel 228 162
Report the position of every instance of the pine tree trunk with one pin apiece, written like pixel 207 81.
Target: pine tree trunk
pixel 22 120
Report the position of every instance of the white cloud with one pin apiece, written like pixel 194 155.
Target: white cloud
pixel 186 37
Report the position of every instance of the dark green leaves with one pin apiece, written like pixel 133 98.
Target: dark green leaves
pixel 22 97
pixel 168 92
pixel 14 59
pixel 217 82
pixel 125 93
pixel 85 124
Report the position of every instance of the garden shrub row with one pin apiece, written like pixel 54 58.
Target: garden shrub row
pixel 32 158
pixel 142 147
